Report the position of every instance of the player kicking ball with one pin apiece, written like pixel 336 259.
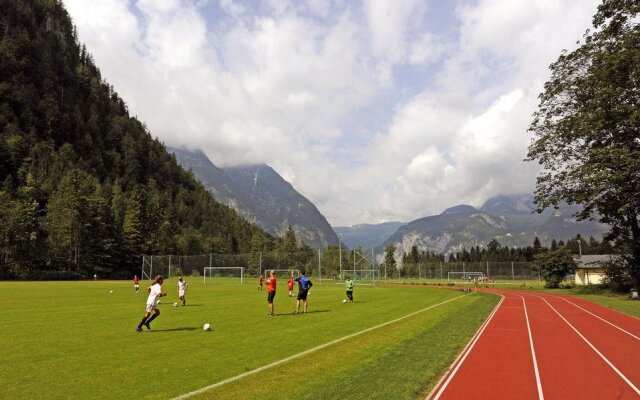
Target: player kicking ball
pixel 182 290
pixel 155 292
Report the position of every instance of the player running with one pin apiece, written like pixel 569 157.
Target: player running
pixel 304 284
pixel 155 291
pixel 271 290
pixel 182 289
pixel 136 283
pixel 349 284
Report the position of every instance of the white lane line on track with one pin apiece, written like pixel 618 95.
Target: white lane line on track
pixel 306 352
pixel 597 316
pixel 463 355
pixel 533 352
pixel 606 360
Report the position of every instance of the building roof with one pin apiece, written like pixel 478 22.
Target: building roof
pixel 594 261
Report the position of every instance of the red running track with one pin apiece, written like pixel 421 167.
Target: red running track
pixel 542 346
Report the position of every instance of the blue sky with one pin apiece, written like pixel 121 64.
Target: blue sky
pixel 375 110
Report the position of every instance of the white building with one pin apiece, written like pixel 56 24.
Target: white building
pixel 590 269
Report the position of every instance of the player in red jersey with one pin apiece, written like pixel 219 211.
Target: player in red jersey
pixel 136 283
pixel 271 290
pixel 290 285
pixel 260 283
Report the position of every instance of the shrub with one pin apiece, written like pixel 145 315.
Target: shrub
pixel 554 266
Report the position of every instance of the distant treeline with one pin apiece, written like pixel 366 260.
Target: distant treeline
pixel 497 253
pixel 84 188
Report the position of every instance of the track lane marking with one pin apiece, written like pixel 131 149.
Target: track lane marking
pixel 533 352
pixel 606 360
pixel 306 352
pixel 597 316
pixel 463 355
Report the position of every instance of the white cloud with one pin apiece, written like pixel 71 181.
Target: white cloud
pixel 389 24
pixel 427 49
pixel 313 88
pixel 232 8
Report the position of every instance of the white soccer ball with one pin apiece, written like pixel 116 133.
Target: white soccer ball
pixel 159 302
pixel 344 300
pixel 207 327
pixel 110 291
pixel 175 304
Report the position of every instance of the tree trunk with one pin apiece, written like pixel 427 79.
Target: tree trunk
pixel 634 267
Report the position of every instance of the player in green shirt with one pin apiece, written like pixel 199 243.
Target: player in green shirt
pixel 349 284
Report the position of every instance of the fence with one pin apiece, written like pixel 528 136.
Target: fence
pixel 509 270
pixel 328 264
pixel 320 264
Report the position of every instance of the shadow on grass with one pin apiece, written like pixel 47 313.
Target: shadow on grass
pixel 291 314
pixel 186 328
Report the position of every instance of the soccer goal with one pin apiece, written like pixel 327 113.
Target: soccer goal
pixel 223 274
pixel 464 276
pixel 282 273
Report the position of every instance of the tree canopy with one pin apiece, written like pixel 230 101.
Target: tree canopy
pixel 84 187
pixel 587 128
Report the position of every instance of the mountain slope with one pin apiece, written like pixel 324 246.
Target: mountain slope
pixel 85 188
pixel 261 196
pixel 508 219
pixel 367 236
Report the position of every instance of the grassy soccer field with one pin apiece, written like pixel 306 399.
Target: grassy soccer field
pixel 78 340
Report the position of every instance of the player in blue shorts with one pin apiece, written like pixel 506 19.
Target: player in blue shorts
pixel 304 284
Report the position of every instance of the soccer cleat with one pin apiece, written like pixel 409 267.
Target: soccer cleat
pixel 270 314
pixel 147 325
pixel 139 329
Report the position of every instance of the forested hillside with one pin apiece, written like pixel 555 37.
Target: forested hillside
pixel 84 188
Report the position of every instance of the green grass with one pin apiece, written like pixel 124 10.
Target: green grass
pixel 605 297
pixel 77 340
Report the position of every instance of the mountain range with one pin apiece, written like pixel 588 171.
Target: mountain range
pixel 509 219
pixel 261 196
pixel 367 236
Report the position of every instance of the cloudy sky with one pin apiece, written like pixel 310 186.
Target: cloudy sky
pixel 375 110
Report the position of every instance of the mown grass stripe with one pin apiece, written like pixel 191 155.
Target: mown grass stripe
pixel 306 352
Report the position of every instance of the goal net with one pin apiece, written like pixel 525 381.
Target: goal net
pixel 464 276
pixel 282 273
pixel 223 275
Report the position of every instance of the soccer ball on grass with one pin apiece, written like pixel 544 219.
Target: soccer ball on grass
pixel 344 300
pixel 175 304
pixel 207 327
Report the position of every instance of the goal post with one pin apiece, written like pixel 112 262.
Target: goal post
pixel 464 275
pixel 210 273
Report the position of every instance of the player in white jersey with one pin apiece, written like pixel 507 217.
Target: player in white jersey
pixel 155 292
pixel 182 289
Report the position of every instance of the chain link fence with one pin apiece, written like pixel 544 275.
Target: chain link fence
pixel 330 265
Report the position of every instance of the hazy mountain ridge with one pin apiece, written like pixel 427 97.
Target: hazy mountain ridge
pixel 367 235
pixel 261 196
pixel 508 219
